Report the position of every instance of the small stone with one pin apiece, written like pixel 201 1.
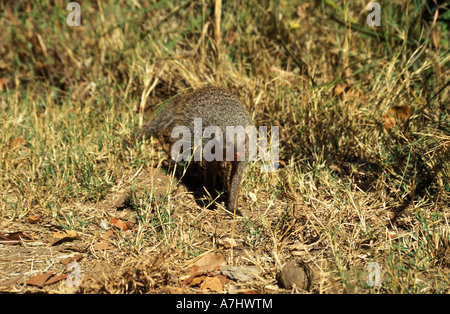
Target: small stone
pixel 295 275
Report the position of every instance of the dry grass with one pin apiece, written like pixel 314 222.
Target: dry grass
pixel 364 142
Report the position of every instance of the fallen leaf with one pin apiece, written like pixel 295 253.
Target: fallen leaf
pixel 214 283
pixel 209 262
pixel 340 88
pixel 348 92
pixel 401 112
pixel 206 281
pixel 39 280
pixel 389 121
pixel 335 168
pixel 195 279
pixel 34 219
pixel 16 143
pixel 394 114
pixel 14 238
pixel 103 245
pixel 54 279
pixel 391 235
pixel 234 289
pixel 67 235
pixel 119 224
pixel 68 260
pixel 242 273
pixel 108 234
pixel 173 290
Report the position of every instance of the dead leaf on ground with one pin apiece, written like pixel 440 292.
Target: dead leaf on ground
pixel 16 143
pixel 208 262
pixel 401 112
pixel 66 235
pixel 213 283
pixel 204 281
pixel 14 238
pixel 39 280
pixel 103 245
pixel 394 114
pixel 348 92
pixel 391 235
pixel 340 88
pixel 120 224
pixel 242 273
pixel 389 121
pixel 54 279
pixel 201 275
pixel 194 279
pixel 45 279
pixel 68 260
pixel 34 219
pixel 173 290
pixel 108 234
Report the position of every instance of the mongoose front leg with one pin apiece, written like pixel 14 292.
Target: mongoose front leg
pixel 237 170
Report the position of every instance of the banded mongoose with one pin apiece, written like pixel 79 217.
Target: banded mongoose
pixel 216 107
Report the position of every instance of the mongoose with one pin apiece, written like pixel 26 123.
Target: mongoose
pixel 215 107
